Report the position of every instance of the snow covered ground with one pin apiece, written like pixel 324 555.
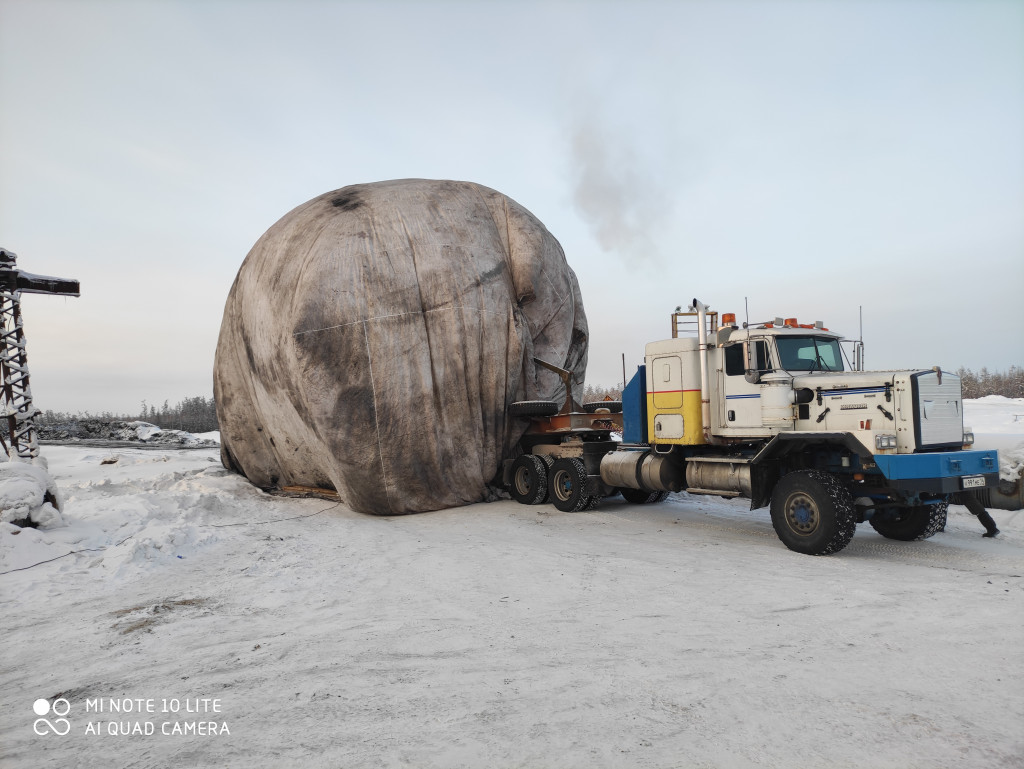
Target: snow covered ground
pixel 497 635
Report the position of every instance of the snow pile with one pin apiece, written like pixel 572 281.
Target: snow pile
pixel 144 430
pixel 149 433
pixel 133 510
pixel 29 496
pixel 1011 462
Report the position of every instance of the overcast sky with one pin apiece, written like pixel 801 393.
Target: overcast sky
pixel 812 156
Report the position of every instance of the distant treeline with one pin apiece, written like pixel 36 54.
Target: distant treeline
pixel 193 415
pixel 199 414
pixel 601 393
pixel 1009 383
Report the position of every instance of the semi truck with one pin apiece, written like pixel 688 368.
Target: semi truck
pixel 768 412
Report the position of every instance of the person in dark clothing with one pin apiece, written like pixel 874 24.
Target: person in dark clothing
pixel 970 500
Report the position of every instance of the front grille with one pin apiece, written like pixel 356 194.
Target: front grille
pixel 938 410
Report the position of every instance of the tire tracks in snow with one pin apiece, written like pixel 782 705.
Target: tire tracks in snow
pixel 942 552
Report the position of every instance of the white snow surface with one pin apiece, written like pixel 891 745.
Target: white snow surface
pixel 495 635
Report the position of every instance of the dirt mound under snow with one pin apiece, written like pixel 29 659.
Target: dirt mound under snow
pixel 108 431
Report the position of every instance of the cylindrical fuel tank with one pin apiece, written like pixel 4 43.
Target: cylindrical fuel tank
pixel 641 470
pixel 718 475
pixel 1008 495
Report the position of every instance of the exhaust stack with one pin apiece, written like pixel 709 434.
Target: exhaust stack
pixel 702 335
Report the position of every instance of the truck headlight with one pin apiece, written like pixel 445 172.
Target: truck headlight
pixel 885 441
pixel 968 439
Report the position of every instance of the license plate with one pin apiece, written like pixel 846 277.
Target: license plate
pixel 974 481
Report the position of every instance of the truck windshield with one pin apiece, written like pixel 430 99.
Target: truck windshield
pixel 809 353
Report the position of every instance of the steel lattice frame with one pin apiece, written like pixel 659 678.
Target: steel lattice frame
pixel 17 395
pixel 16 404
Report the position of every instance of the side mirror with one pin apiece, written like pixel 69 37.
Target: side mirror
pixel 750 373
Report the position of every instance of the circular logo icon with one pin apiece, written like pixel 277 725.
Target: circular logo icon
pixel 59 726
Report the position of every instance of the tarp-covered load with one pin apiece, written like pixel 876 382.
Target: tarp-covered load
pixel 375 335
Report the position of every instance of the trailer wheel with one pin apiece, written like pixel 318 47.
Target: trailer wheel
pixel 615 407
pixel 909 524
pixel 529 480
pixel 813 513
pixel 567 485
pixel 642 496
pixel 533 409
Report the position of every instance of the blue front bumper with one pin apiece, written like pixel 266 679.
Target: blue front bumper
pixel 939 473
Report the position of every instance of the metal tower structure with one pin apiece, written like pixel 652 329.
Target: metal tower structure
pixel 16 404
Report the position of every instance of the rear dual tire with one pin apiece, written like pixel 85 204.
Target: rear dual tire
pixel 911 524
pixel 563 482
pixel 567 486
pixel 642 496
pixel 529 480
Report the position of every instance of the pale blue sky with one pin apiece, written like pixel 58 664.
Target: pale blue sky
pixel 812 156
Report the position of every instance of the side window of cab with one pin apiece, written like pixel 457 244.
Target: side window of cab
pixel 735 365
pixel 734 360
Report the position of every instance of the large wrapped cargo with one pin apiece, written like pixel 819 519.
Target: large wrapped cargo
pixel 375 335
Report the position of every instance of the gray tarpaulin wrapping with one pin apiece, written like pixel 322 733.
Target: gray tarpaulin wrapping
pixel 375 335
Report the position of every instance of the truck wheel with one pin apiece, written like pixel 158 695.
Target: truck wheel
pixel 567 485
pixel 643 497
pixel 908 524
pixel 615 407
pixel 529 480
pixel 812 512
pixel 533 409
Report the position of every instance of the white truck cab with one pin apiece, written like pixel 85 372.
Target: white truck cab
pixel 771 412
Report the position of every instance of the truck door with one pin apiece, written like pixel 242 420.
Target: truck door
pixel 741 406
